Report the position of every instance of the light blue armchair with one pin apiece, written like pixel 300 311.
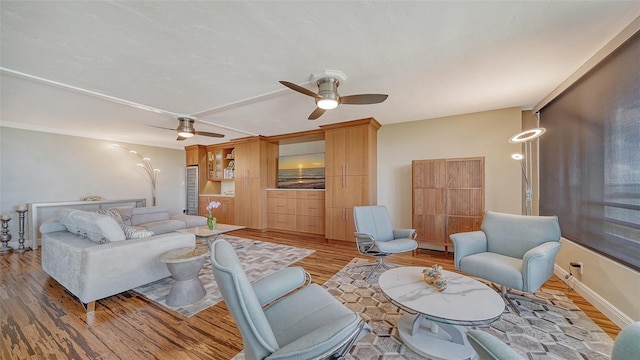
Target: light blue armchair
pixel 489 347
pixel 515 251
pixel 282 315
pixel 376 237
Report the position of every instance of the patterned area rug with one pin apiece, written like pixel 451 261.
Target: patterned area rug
pixel 559 330
pixel 258 259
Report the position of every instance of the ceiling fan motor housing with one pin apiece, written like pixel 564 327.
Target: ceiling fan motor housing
pixel 186 126
pixel 328 89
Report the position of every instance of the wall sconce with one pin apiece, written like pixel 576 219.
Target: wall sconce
pixel 526 162
pixel 148 168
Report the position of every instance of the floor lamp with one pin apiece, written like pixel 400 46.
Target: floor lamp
pixel 526 162
pixel 148 168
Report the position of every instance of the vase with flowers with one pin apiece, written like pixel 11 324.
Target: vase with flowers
pixel 211 221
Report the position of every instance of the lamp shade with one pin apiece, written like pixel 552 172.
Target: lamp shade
pixel 527 135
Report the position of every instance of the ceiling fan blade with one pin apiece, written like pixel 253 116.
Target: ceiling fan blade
pixel 160 127
pixel 300 89
pixel 180 138
pixel 210 134
pixel 363 99
pixel 316 113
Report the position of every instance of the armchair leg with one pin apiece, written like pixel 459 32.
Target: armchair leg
pixel 376 265
pixel 508 299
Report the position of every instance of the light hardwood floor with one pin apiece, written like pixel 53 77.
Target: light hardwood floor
pixel 39 319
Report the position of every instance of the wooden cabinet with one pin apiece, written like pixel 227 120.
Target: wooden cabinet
pixel 255 171
pixel 296 210
pixel 350 160
pixel 225 213
pixel 448 197
pixel 195 155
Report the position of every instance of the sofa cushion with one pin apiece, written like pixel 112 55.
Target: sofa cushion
pixel 131 232
pixel 149 214
pixel 191 221
pixel 114 213
pixel 96 227
pixel 164 226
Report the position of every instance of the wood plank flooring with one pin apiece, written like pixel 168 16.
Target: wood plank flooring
pixel 39 319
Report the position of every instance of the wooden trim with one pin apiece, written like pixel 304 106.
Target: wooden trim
pixel 247 139
pixel 297 137
pixel 366 121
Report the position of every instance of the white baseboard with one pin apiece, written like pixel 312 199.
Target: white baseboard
pixel 613 313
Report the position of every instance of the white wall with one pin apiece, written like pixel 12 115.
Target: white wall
pixel 479 134
pixel 609 286
pixel 42 167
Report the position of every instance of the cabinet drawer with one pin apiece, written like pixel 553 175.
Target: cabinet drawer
pixel 310 224
pixel 310 207
pixel 281 194
pixel 281 221
pixel 308 194
pixel 281 206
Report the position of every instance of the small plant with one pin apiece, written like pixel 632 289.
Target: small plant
pixel 213 205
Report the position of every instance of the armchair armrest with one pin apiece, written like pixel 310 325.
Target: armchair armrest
pixel 537 265
pixel 405 233
pixel 468 243
pixel 278 283
pixel 365 241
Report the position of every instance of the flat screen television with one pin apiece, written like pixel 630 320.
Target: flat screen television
pixel 304 171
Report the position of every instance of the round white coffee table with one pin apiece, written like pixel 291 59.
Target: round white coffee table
pixel 437 330
pixel 184 264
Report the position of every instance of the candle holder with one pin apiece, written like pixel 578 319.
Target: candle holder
pixel 21 247
pixel 5 237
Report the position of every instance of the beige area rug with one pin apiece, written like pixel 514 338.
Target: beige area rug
pixel 559 330
pixel 257 257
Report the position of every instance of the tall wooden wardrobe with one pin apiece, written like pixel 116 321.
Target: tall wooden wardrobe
pixel 350 171
pixel 448 198
pixel 255 171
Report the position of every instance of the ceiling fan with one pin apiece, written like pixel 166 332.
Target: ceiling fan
pixel 327 97
pixel 186 130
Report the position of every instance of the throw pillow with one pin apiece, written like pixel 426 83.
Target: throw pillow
pixel 133 233
pixel 115 214
pixel 96 227
pixel 125 214
pixel 63 216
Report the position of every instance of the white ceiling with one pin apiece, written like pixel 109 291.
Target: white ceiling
pixel 97 68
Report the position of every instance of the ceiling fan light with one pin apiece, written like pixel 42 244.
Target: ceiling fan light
pixel 185 134
pixel 327 104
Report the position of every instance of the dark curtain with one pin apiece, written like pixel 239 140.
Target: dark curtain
pixel 590 157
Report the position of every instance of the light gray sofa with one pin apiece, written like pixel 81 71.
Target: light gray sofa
pixel 95 260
